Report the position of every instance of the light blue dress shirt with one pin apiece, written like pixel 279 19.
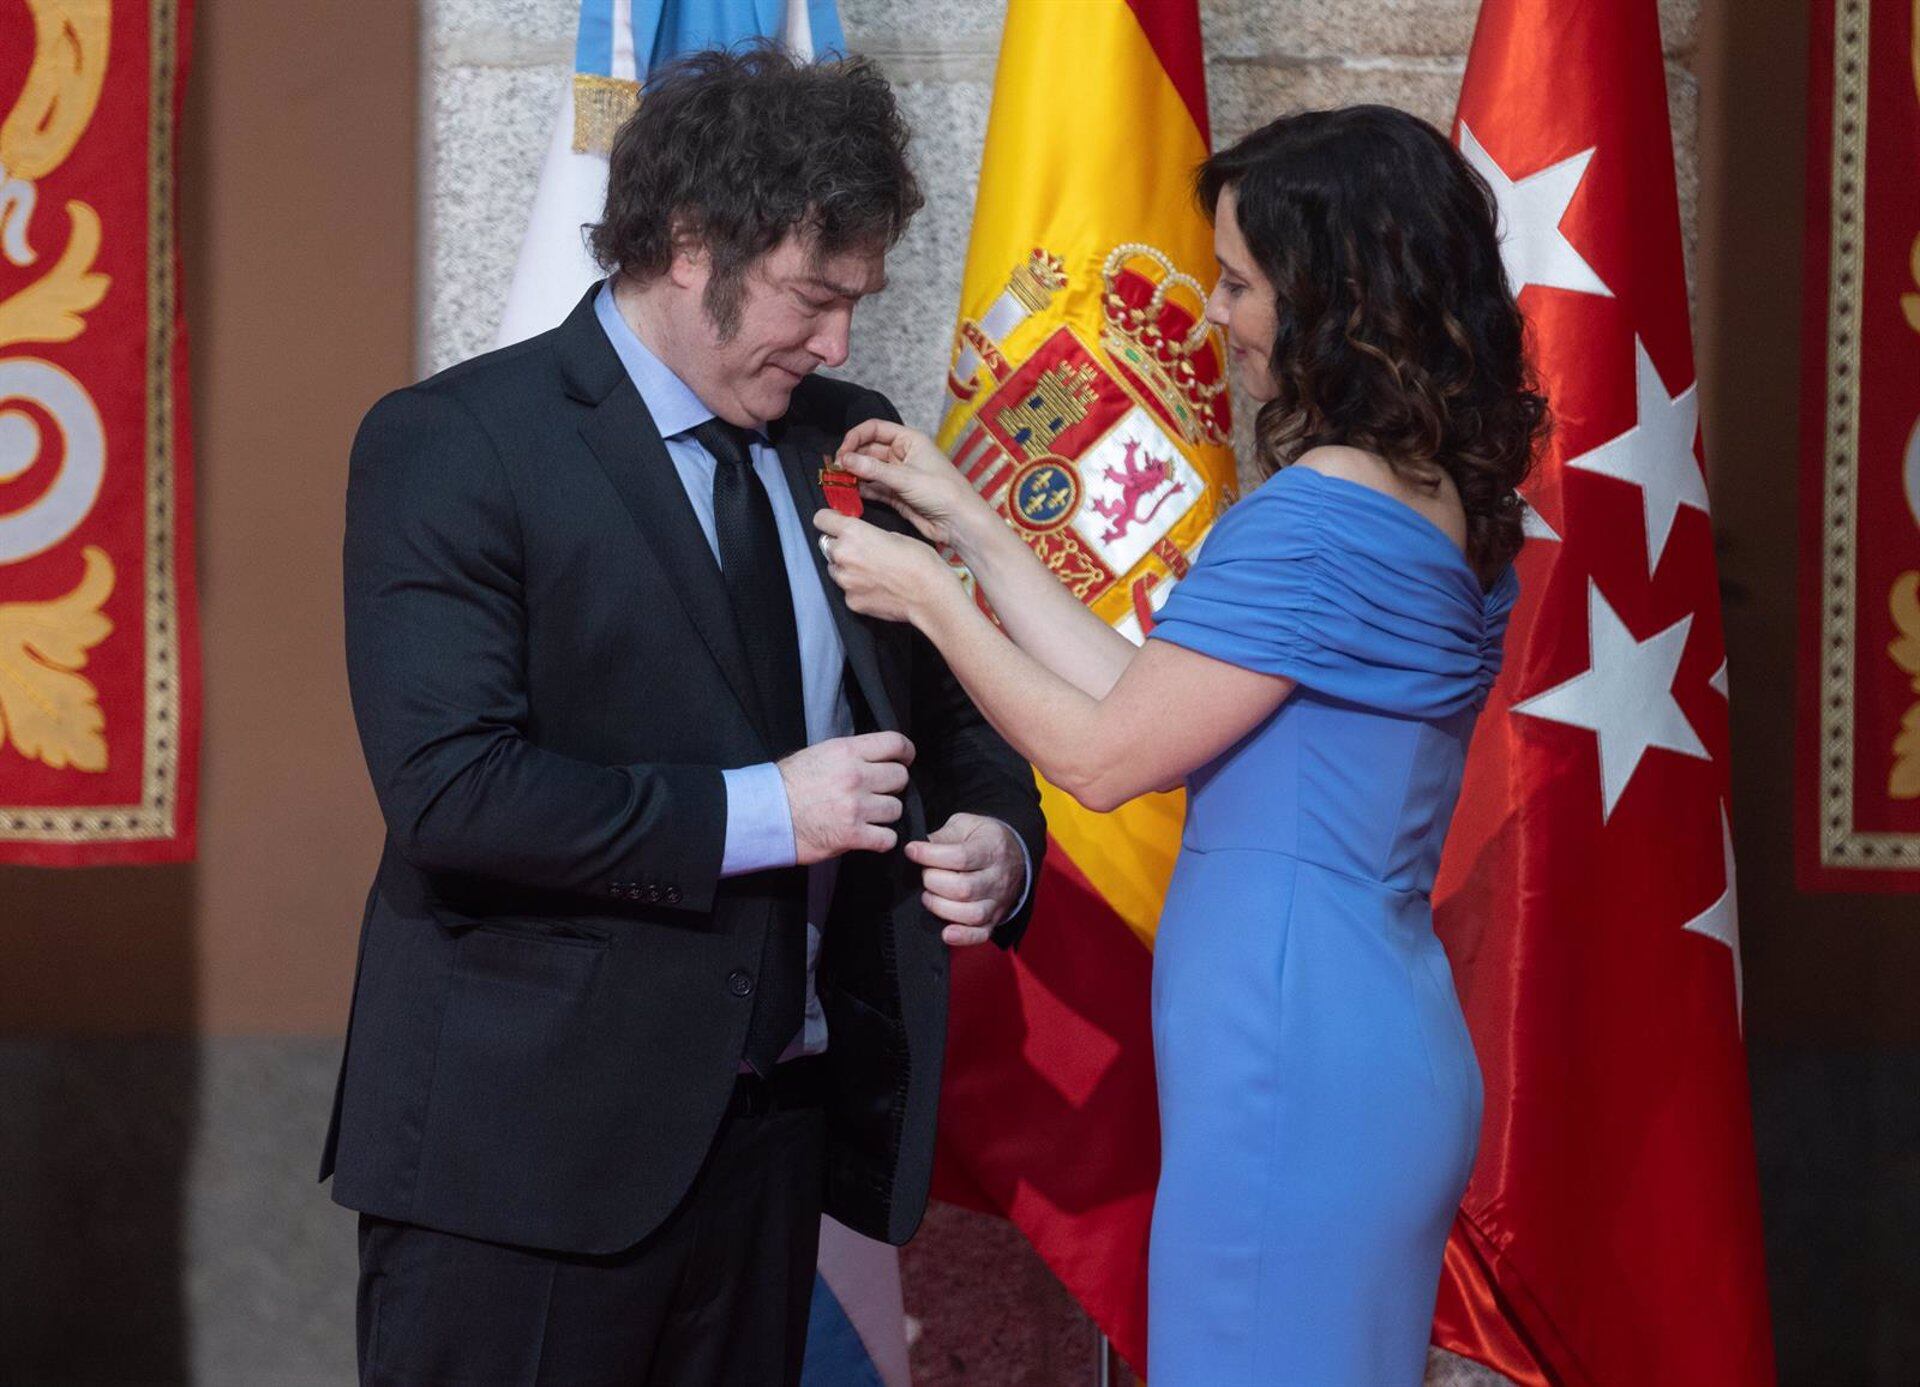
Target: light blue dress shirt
pixel 759 822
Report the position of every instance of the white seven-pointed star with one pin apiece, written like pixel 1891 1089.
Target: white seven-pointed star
pixel 1625 698
pixel 1532 245
pixel 1656 454
pixel 1721 920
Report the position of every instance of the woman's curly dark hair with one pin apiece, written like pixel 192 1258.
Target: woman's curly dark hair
pixel 740 147
pixel 1396 332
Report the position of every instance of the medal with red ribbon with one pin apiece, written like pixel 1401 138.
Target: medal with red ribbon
pixel 842 489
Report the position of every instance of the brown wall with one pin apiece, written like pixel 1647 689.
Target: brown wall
pixel 298 219
pixel 1828 968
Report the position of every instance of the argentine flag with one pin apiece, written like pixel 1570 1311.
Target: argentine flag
pixel 857 1331
pixel 619 42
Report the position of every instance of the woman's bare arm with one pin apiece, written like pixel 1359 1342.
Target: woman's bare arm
pixel 905 469
pixel 1041 616
pixel 1171 711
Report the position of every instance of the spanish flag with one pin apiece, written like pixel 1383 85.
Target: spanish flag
pixel 1087 400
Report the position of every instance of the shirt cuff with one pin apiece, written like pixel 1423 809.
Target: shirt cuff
pixel 759 823
pixel 1025 891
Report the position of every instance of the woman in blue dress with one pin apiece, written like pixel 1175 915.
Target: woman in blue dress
pixel 1314 681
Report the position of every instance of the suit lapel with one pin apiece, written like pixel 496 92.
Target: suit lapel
pixel 630 449
pixel 803 452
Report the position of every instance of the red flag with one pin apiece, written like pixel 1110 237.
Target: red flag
pixel 1611 1233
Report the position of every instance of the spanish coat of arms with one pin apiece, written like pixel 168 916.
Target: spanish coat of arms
pixel 1106 450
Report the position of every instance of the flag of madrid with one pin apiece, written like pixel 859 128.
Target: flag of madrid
pixel 1611 1233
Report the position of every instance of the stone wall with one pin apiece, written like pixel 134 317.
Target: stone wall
pixel 495 70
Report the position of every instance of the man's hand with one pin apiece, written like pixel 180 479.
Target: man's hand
pixel 842 792
pixel 972 874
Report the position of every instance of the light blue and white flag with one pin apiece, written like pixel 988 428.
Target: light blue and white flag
pixel 619 42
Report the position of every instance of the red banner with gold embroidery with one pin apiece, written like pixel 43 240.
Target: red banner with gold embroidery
pixel 99 661
pixel 1859 725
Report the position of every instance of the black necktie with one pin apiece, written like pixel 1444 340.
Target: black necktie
pixel 755 571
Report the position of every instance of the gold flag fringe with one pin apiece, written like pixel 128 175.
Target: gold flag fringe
pixel 600 106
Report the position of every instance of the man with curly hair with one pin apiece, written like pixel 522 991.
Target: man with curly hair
pixel 652 969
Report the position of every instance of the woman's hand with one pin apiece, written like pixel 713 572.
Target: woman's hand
pixel 884 575
pixel 906 470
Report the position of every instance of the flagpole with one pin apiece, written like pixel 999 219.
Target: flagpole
pixel 1103 1367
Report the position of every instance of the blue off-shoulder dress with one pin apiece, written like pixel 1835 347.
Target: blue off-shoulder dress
pixel 1319 1097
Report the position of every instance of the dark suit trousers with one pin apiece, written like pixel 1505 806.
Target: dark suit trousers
pixel 717 1296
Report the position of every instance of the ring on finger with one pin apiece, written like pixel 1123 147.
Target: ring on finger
pixel 826 547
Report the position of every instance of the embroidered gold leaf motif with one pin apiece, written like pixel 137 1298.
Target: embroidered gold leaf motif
pixel 49 711
pixel 1910 303
pixel 1903 781
pixel 62 87
pixel 49 309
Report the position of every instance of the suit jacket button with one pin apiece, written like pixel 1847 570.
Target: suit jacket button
pixel 653 892
pixel 673 895
pixel 617 889
pixel 740 982
pixel 634 893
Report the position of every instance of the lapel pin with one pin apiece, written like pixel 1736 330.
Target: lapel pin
pixel 842 489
